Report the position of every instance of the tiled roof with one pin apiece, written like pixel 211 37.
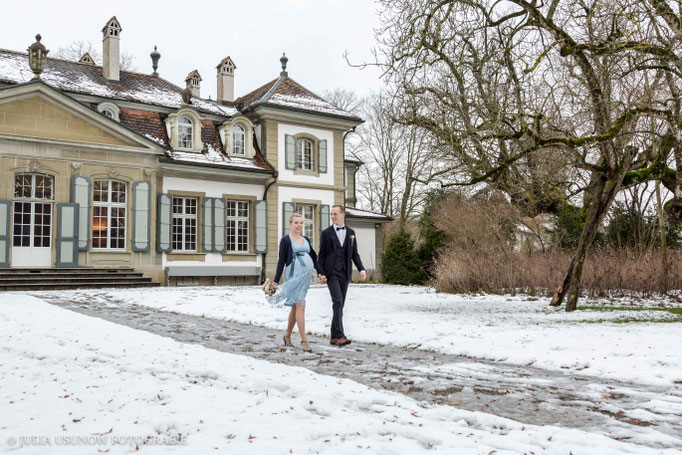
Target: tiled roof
pixel 86 79
pixel 286 92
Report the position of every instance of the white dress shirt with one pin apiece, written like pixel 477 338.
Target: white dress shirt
pixel 340 233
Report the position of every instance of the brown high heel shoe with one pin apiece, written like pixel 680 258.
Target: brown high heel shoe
pixel 287 341
pixel 305 347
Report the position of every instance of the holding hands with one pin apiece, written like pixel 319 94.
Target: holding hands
pixel 323 279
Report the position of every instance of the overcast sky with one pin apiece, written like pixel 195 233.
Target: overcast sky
pixel 198 34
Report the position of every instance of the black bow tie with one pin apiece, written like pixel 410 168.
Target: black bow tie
pixel 339 228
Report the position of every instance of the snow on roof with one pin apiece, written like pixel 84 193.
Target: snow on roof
pixel 87 79
pixel 351 157
pixel 355 212
pixel 306 103
pixel 286 92
pixel 213 157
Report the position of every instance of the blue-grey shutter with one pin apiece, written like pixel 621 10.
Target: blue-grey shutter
pixel 80 194
pixel 325 221
pixel 260 217
pixel 287 210
pixel 4 233
pixel 164 217
pixel 219 220
pixel 67 234
pixel 289 152
pixel 207 225
pixel 322 155
pixel 142 193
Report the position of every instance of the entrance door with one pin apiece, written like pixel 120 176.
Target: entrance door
pixel 32 221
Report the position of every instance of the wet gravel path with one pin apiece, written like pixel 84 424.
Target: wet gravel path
pixel 523 393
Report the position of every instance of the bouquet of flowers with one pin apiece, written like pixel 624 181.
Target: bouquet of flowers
pixel 269 287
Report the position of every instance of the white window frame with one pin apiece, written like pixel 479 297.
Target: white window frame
pixel 308 219
pixel 185 223
pixel 185 133
pixel 238 139
pixel 110 206
pixel 302 154
pixel 233 223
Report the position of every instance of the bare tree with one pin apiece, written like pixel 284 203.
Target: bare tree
pixel 398 160
pixel 76 49
pixel 503 85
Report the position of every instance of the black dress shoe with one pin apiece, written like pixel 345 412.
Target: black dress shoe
pixel 343 341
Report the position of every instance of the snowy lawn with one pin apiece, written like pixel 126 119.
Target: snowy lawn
pixel 76 384
pixel 504 328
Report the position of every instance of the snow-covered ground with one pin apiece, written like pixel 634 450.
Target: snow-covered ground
pixel 511 329
pixel 77 384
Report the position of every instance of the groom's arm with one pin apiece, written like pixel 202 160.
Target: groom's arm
pixel 356 259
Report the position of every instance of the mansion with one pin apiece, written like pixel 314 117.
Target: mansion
pixel 105 168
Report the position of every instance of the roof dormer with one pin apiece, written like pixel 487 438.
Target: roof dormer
pixel 87 59
pixel 193 82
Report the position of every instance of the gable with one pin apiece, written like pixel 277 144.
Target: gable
pixel 38 117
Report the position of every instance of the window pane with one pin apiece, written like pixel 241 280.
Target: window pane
pixel 22 185
pixel 184 133
pixel 238 137
pixel 101 191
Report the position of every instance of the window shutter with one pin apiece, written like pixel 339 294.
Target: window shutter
pixel 260 216
pixel 324 218
pixel 4 234
pixel 287 210
pixel 67 234
pixel 80 194
pixel 141 215
pixel 219 220
pixel 322 155
pixel 163 223
pixel 207 225
pixel 289 152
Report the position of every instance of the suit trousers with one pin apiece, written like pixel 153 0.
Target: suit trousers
pixel 338 285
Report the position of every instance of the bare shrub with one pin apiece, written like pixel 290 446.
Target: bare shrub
pixel 479 256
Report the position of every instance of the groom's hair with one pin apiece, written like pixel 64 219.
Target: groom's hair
pixel 342 209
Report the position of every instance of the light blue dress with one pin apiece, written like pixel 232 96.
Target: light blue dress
pixel 296 277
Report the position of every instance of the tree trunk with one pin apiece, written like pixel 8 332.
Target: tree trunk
pixel 603 194
pixel 661 227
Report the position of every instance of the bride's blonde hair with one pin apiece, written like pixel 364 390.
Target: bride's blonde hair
pixel 294 215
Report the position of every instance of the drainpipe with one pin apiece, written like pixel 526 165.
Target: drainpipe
pixel 343 149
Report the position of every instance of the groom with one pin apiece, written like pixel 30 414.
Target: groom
pixel 338 246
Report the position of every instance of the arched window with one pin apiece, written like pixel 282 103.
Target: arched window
pixel 109 215
pixel 305 154
pixel 108 113
pixel 185 133
pixel 238 140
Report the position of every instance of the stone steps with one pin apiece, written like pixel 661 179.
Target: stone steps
pixel 60 279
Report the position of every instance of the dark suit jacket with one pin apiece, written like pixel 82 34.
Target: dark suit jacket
pixel 330 247
pixel 286 255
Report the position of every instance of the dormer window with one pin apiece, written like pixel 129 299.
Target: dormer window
pixel 238 140
pixel 237 137
pixel 109 110
pixel 185 133
pixel 184 130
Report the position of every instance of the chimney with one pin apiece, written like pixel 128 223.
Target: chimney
pixel 225 76
pixel 192 82
pixel 111 52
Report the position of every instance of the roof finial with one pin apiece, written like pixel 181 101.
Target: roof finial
pixel 155 61
pixel 284 61
pixel 37 56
